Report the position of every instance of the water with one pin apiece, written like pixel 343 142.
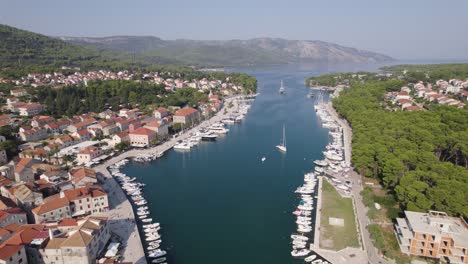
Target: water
pixel 218 203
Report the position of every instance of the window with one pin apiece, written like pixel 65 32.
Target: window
pixel 445 243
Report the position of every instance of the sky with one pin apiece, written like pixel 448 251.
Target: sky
pixel 403 29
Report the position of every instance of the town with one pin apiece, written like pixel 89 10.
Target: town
pixel 55 208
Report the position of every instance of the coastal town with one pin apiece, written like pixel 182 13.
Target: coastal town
pixel 59 202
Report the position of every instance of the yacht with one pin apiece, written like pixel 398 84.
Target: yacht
pixel 310 258
pixel 157 253
pixel 182 146
pixel 310 95
pixel 282 146
pixel 159 260
pixel 300 253
pixel 282 90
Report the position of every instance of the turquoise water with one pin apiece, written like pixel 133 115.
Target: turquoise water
pixel 218 203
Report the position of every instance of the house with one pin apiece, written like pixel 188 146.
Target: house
pixel 83 241
pixel 134 125
pixel 39 121
pixel 83 125
pixel 82 177
pixel 23 169
pixel 14 215
pixel 52 210
pixel 32 134
pixel 186 115
pixel 142 137
pixel 433 235
pixel 88 154
pixel 160 127
pixel 119 138
pixel 160 113
pixel 21 247
pixel 30 109
pixel 72 203
pixel 83 135
pixel 110 130
pixel 414 108
pixel 18 92
pixel 404 103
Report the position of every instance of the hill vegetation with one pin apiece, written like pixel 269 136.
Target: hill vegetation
pixel 430 72
pixel 259 51
pixel 419 157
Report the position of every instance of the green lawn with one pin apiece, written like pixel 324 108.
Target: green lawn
pixel 333 205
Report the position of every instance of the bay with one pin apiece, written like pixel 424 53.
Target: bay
pixel 219 203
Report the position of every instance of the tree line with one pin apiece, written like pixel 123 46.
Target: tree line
pixel 420 157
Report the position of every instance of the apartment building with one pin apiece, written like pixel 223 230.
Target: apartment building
pixel 433 235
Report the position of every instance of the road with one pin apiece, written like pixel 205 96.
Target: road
pixel 361 210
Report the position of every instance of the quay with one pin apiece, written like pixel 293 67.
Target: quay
pixel 121 214
pixel 368 253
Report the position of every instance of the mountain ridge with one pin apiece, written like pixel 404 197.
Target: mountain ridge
pixel 262 50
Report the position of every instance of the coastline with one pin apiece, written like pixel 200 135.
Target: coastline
pixel 121 214
pixel 359 208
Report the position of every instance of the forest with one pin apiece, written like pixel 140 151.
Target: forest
pixel 100 95
pixel 419 157
pixel 430 72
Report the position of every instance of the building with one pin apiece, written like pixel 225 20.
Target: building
pixel 72 203
pixel 30 109
pixel 23 169
pixel 142 137
pixel 81 244
pixel 160 113
pixel 186 115
pixel 82 177
pixel 119 138
pixel 161 127
pixel 433 235
pixel 88 154
pixel 18 92
pixel 52 211
pixel 13 216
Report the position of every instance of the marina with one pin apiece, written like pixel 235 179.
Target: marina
pixel 241 189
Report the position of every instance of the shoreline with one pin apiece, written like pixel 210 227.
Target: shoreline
pixel 134 250
pixel 360 210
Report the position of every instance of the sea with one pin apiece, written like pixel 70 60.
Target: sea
pixel 219 203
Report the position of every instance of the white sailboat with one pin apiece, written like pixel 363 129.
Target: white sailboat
pixel 282 146
pixel 282 90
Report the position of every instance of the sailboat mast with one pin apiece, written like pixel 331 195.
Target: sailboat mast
pixel 284 136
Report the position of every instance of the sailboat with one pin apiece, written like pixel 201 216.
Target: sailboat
pixel 282 146
pixel 282 90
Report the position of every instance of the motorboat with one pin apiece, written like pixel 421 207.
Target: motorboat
pixel 300 253
pixel 159 260
pixel 263 159
pixel 321 162
pixel 157 253
pixel 148 220
pixel 153 247
pixel 310 258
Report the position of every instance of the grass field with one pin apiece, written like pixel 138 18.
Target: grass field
pixel 333 205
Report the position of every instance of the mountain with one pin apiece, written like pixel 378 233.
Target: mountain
pixel 21 50
pixel 258 51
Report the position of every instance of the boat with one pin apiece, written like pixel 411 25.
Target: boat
pixel 159 260
pixel 282 146
pixel 300 253
pixel 310 95
pixel 153 247
pixel 321 162
pixel 282 90
pixel 310 258
pixel 209 136
pixel 147 220
pixel 157 253
pixel 263 159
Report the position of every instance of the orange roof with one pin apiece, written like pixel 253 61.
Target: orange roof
pixel 6 251
pixel 185 111
pixel 22 237
pixel 68 222
pixel 89 150
pixel 79 174
pixel 51 205
pixel 142 131
pixel 153 124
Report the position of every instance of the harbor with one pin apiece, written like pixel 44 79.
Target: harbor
pixel 241 188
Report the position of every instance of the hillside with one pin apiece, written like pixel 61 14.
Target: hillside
pixel 259 51
pixel 23 52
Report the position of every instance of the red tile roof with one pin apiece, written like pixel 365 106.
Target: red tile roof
pixel 142 131
pixel 185 111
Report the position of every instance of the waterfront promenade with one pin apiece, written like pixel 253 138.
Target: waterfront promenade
pixel 360 208
pixel 121 216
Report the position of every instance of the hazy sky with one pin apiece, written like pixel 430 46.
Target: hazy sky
pixel 405 29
